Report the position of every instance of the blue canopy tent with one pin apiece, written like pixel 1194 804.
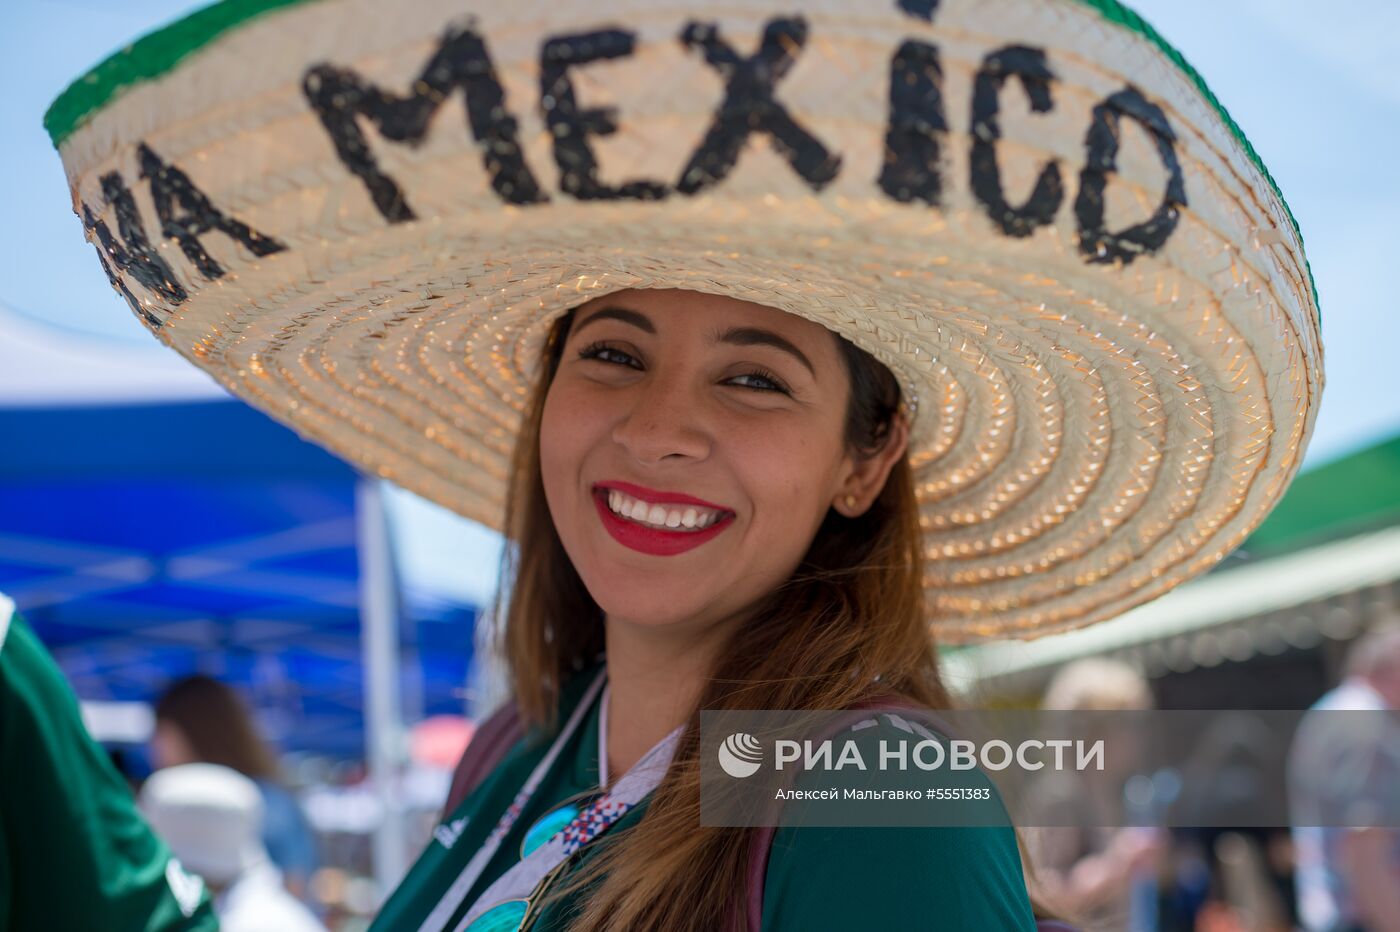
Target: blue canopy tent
pixel 150 526
pixel 144 542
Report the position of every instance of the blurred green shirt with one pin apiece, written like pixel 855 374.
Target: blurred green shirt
pixel 74 851
pixel 817 878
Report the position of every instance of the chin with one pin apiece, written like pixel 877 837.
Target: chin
pixel 649 606
pixel 651 597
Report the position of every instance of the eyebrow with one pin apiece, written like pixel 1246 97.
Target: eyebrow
pixel 635 318
pixel 754 336
pixel 734 336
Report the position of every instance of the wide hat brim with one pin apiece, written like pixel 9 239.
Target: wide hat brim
pixel 362 217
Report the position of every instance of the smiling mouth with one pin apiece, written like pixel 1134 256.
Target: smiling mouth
pixel 676 524
pixel 679 517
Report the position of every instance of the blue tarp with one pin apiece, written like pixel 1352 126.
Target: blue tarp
pixel 145 542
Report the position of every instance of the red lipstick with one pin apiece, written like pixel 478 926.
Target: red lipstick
pixel 660 542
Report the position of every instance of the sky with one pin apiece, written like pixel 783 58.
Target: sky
pixel 1314 86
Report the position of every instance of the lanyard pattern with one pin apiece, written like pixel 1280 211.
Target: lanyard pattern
pixel 592 822
pixel 437 919
pixel 523 879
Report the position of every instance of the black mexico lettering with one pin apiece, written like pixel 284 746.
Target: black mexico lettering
pixel 749 107
pixel 130 253
pixel 916 128
pixel 919 9
pixel 186 213
pixel 915 133
pixel 1096 242
pixel 119 284
pixel 912 170
pixel 569 126
pixel 339 95
pixel 1028 65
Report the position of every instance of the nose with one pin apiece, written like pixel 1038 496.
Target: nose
pixel 663 424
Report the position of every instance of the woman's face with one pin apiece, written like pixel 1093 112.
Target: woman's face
pixel 170 747
pixel 691 445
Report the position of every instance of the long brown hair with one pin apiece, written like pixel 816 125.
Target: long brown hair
pixel 217 725
pixel 849 625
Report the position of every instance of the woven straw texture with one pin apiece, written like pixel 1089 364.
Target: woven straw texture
pixel 1089 429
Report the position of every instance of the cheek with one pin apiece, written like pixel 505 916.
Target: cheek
pixel 571 425
pixel 168 747
pixel 790 472
pixel 554 437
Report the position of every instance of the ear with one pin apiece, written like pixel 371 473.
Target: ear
pixel 865 478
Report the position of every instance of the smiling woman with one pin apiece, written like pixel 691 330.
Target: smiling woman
pixel 847 329
pixel 713 509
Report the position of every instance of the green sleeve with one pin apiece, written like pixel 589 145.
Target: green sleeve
pixel 902 877
pixel 74 851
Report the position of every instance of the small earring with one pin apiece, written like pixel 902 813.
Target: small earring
pixel 850 501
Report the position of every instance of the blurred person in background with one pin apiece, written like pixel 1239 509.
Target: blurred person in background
pixel 75 852
pixel 1100 875
pixel 201 720
pixel 211 816
pixel 1348 879
pixel 1227 798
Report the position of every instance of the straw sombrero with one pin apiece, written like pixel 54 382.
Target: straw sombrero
pixel 362 216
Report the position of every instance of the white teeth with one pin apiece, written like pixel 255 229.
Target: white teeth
pixel 691 518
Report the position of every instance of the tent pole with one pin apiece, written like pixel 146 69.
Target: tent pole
pixel 379 644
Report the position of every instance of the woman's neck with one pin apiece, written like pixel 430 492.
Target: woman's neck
pixel 655 677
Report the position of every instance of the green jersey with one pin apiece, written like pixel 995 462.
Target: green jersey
pixel 74 851
pixel 817 878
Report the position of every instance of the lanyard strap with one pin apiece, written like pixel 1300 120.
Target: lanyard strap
pixel 447 905
pixel 603 739
pixel 521 880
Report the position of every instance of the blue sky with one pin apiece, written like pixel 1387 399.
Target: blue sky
pixel 1313 85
